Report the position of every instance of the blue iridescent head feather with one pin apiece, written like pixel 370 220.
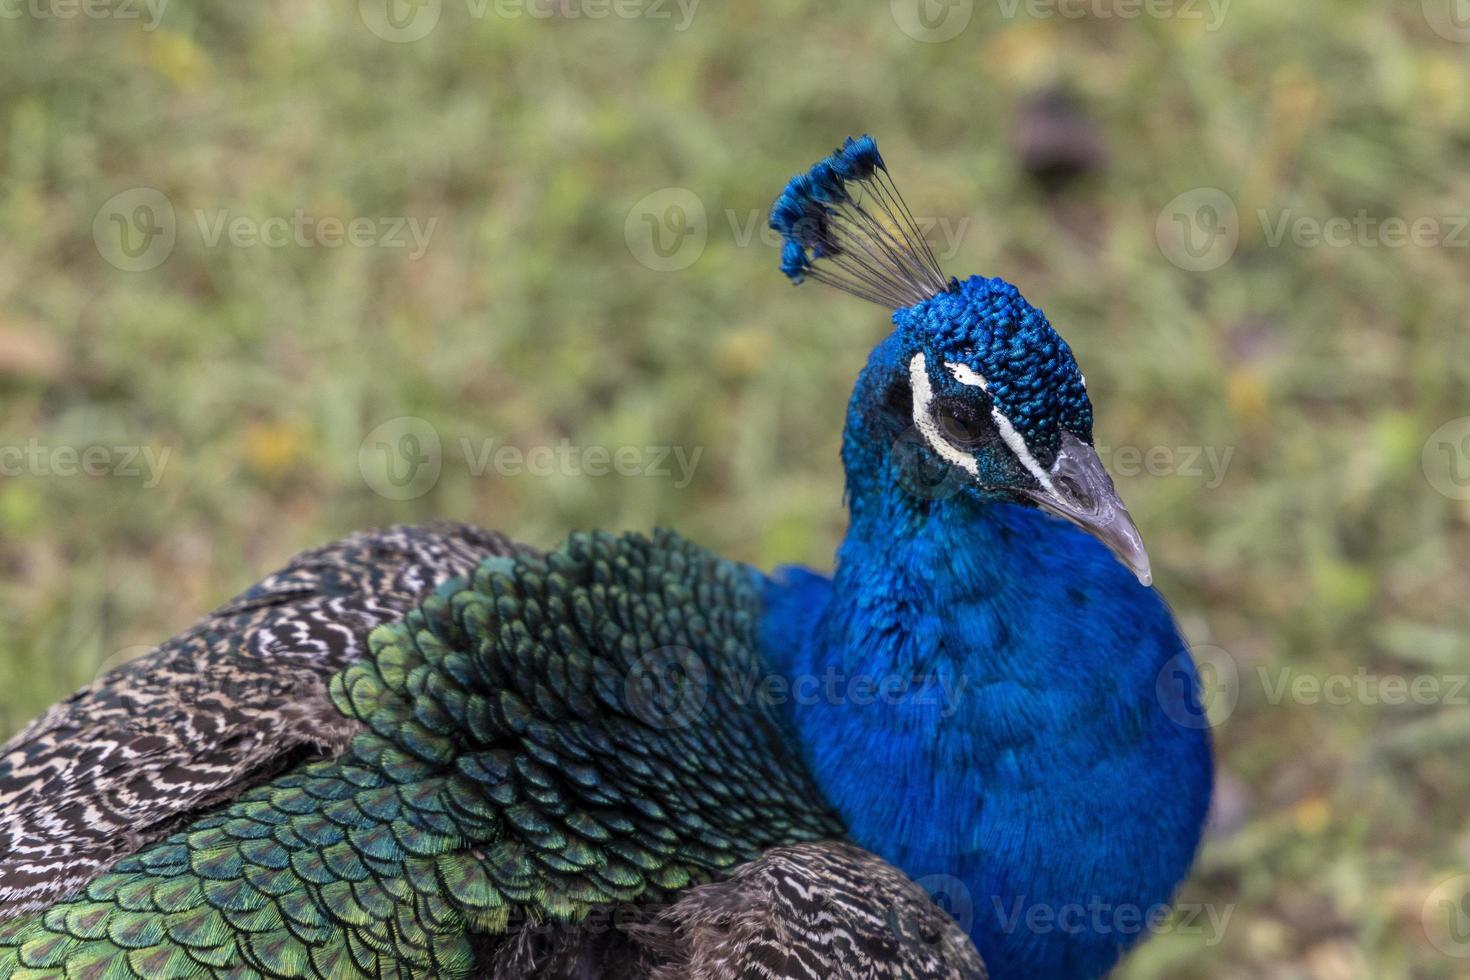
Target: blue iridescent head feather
pixel 1028 368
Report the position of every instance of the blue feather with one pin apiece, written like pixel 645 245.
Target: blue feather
pixel 846 210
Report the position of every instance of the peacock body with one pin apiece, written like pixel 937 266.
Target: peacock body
pixel 463 765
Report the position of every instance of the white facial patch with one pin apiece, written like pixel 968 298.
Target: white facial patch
pixel 923 394
pixel 967 375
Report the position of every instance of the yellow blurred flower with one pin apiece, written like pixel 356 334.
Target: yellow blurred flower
pixel 273 449
pixel 177 58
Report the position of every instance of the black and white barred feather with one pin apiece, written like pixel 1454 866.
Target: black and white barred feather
pixel 817 911
pixel 223 706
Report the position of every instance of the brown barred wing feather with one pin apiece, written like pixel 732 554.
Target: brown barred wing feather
pixel 236 699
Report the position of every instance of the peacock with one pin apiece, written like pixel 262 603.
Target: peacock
pixel 436 752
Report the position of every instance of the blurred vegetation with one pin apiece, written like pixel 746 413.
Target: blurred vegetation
pixel 530 143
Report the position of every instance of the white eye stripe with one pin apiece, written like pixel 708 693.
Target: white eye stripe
pixel 1017 444
pixel 923 396
pixel 967 375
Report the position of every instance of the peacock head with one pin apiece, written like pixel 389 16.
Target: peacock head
pixel 973 387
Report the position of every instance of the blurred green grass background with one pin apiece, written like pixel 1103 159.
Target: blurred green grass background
pixel 533 145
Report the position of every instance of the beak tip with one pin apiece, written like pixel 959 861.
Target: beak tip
pixel 1097 508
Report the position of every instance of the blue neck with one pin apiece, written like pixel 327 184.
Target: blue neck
pixel 983 702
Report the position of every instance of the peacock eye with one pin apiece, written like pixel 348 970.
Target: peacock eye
pixel 961 424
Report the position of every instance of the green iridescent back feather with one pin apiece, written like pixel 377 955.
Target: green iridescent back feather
pixel 528 755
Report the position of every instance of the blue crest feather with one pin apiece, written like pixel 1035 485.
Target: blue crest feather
pixel 846 213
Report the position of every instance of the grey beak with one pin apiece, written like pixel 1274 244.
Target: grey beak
pixel 1082 492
